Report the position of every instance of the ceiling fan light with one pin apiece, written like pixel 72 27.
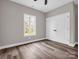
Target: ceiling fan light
pixel 35 0
pixel 45 2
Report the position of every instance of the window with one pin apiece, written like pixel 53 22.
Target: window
pixel 29 25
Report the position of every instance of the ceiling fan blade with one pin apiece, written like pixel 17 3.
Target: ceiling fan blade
pixel 46 2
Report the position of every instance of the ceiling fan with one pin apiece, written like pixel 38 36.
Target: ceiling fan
pixel 45 2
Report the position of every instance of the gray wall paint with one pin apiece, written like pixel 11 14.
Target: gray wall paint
pixel 76 23
pixel 66 8
pixel 11 23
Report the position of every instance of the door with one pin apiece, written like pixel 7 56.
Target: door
pixel 51 28
pixel 63 28
pixel 58 28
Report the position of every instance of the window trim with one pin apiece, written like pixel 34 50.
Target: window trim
pixel 34 33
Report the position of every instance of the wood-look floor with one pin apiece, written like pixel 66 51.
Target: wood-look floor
pixel 40 50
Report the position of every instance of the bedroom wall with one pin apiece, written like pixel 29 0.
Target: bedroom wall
pixel 11 23
pixel 76 23
pixel 66 8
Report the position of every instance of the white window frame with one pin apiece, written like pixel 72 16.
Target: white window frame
pixel 33 25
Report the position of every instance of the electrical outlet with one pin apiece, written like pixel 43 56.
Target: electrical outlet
pixel 29 38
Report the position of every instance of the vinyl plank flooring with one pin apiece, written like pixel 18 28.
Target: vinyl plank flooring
pixel 41 50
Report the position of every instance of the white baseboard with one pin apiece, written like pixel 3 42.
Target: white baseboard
pixel 72 45
pixel 69 44
pixel 17 44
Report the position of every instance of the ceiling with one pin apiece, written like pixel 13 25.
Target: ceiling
pixel 39 4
